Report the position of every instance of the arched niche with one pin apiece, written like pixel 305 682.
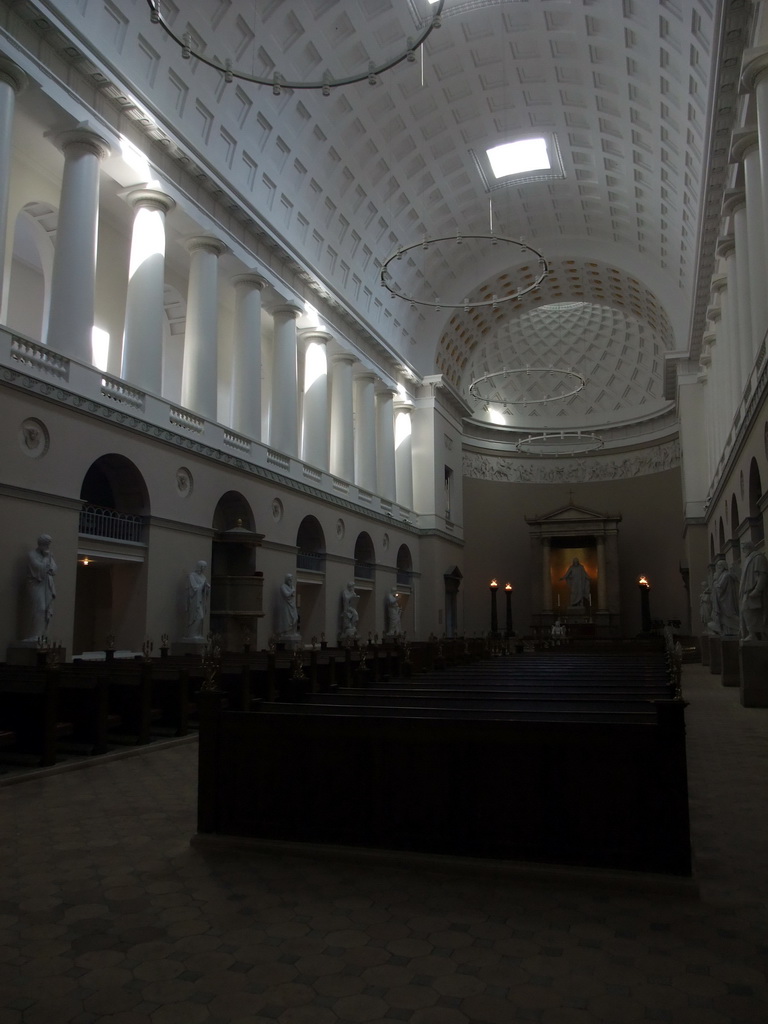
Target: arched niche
pixel 310 576
pixel 29 288
pixel 236 584
pixel 365 558
pixel 735 522
pixel 404 567
pixel 756 504
pixel 365 575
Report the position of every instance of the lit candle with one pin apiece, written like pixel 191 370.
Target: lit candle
pixel 558 600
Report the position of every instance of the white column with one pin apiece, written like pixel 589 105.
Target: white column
pixel 719 376
pixel 199 386
pixel 73 284
pixel 736 204
pixel 727 331
pixel 12 81
pixel 342 417
pixel 365 430
pixel 404 454
pixel 385 442
pixel 707 344
pixel 246 363
pixel 284 400
pixel 746 150
pixel 142 362
pixel 755 79
pixel 314 427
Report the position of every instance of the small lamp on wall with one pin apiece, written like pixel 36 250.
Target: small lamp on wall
pixel 494 586
pixel 645 604
pixel 508 588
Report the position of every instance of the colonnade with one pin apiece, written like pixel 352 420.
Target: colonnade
pixel 733 344
pixel 338 418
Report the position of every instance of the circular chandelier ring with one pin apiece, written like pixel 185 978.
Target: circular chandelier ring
pixel 466 304
pixel 557 444
pixel 277 81
pixel 577 383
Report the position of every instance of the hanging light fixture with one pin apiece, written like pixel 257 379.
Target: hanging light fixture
pixel 563 442
pixel 277 82
pixel 389 280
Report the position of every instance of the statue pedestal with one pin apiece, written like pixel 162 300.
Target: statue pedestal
pixel 704 647
pixel 188 645
pixel 715 655
pixel 292 641
pixel 26 652
pixel 753 658
pixel 731 674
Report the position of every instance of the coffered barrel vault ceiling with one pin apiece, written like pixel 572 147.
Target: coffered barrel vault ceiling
pixel 625 89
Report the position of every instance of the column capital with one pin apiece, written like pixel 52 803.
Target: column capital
pixel 383 389
pixel 11 74
pixel 317 334
pixel 343 357
pixel 255 281
pixel 366 375
pixel 726 246
pixel 404 405
pixel 743 141
pixel 754 65
pixel 81 135
pixel 148 198
pixel 206 243
pixel 734 199
pixel 719 283
pixel 289 310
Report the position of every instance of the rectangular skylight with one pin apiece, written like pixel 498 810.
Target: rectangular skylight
pixel 519 157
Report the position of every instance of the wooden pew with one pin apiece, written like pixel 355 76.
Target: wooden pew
pixel 29 714
pixel 558 786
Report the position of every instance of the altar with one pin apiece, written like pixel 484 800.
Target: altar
pixel 577 588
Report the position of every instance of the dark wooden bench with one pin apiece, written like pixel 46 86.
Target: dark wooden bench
pixel 29 715
pixel 555 786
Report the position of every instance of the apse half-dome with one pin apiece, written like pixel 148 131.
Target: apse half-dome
pixel 537 360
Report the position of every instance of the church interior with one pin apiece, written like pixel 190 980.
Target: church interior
pixel 346 344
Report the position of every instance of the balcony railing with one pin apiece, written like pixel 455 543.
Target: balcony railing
pixel 404 577
pixel 108 523
pixel 312 560
pixel 364 570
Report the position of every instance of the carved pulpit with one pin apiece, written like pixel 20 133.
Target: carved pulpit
pixel 576 549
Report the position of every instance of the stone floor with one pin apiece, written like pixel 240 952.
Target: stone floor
pixel 109 914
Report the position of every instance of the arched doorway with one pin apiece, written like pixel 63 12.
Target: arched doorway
pixel 111 585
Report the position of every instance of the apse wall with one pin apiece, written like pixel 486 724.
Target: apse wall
pixel 498 543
